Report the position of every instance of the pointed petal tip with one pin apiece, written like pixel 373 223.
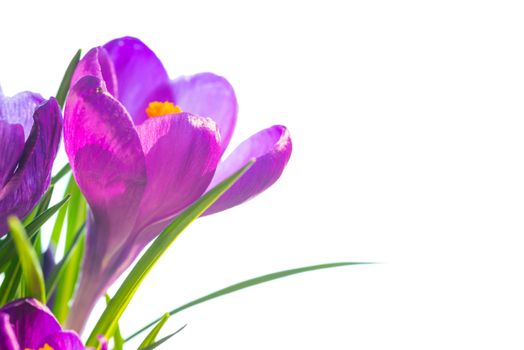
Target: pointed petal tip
pixel 271 149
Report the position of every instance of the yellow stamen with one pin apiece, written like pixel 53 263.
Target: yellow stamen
pixel 158 109
pixel 45 347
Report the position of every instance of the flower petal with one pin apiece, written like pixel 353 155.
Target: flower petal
pixel 182 152
pixel 32 322
pixel 65 340
pixel 98 64
pixel 209 95
pixel 109 166
pixel 107 160
pixel 33 175
pixel 139 72
pixel 11 148
pixel 271 148
pixel 8 339
pixel 19 109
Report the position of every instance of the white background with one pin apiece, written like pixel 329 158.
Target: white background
pixel 407 124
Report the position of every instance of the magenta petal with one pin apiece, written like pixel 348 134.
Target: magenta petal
pixel 109 166
pixel 182 152
pixel 98 64
pixel 8 339
pixel 65 340
pixel 32 322
pixel 11 148
pixel 33 175
pixel 209 95
pixel 139 72
pixel 107 160
pixel 19 109
pixel 271 148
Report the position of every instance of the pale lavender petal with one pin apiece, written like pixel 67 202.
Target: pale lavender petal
pixel 32 322
pixel 182 152
pixel 208 95
pixel 139 72
pixel 271 148
pixel 109 166
pixel 33 175
pixel 11 148
pixel 19 109
pixel 65 340
pixel 163 93
pixel 98 64
pixel 8 339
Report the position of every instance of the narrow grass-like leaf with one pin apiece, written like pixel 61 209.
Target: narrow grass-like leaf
pixel 76 217
pixel 51 282
pixel 11 283
pixel 40 209
pixel 117 337
pixel 60 218
pixel 44 202
pixel 66 80
pixel 247 284
pixel 107 322
pixel 151 337
pixel 7 251
pixel 161 341
pixel 61 173
pixel 42 218
pixel 31 269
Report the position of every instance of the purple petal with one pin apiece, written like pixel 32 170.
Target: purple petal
pixel 139 72
pixel 107 160
pixel 19 109
pixel 109 166
pixel 182 152
pixel 32 322
pixel 209 95
pixel 33 175
pixel 98 64
pixel 65 340
pixel 8 339
pixel 11 148
pixel 271 148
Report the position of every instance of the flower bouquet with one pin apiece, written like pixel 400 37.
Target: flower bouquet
pixel 146 155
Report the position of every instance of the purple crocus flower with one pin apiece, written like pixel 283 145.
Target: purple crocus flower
pixel 143 147
pixel 26 324
pixel 30 129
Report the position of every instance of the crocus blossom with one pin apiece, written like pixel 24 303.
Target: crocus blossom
pixel 26 324
pixel 143 147
pixel 30 130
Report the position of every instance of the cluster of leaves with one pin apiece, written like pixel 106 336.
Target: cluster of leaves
pixel 21 257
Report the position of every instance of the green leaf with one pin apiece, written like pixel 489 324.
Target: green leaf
pixel 151 337
pixel 41 208
pixel 7 251
pixel 246 284
pixel 11 283
pixel 42 218
pixel 107 322
pixel 61 173
pixel 66 80
pixel 59 269
pixel 117 337
pixel 31 269
pixel 76 217
pixel 158 343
